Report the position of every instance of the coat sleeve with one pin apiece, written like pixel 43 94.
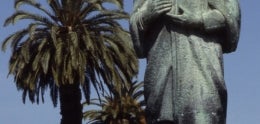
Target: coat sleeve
pixel 230 9
pixel 136 28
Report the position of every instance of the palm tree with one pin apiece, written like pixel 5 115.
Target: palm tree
pixel 73 44
pixel 118 107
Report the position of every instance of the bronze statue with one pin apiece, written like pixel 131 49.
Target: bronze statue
pixel 183 42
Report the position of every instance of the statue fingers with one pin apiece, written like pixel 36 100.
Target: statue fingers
pixel 162 3
pixel 177 18
pixel 159 2
pixel 163 8
pixel 183 9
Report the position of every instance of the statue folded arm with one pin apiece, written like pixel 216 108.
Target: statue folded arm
pixel 145 12
pixel 136 27
pixel 213 20
pixel 230 10
pixel 222 14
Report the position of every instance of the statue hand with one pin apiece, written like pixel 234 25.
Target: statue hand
pixel 187 19
pixel 155 8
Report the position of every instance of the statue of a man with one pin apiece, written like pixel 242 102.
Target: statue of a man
pixel 183 42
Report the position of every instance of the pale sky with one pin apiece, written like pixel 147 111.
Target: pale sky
pixel 242 75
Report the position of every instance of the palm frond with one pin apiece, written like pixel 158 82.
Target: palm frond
pixel 18 3
pixel 72 5
pixel 34 4
pixel 14 39
pixel 86 10
pixel 116 107
pixel 73 42
pixel 20 15
pixel 119 3
pixel 56 7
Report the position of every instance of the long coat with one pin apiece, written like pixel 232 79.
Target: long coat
pixel 184 80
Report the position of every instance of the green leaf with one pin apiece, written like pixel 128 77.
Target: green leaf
pixel 14 39
pixel 74 39
pixel 54 31
pixel 34 4
pixel 55 5
pixel 89 46
pixel 42 44
pixel 31 29
pixel 18 3
pixel 55 74
pixel 36 61
pixel 19 15
pixel 74 57
pixel 15 17
pixel 119 3
pixel 45 61
pixel 13 63
pixel 59 53
pixel 25 51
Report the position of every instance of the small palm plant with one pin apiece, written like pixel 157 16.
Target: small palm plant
pixel 118 107
pixel 72 44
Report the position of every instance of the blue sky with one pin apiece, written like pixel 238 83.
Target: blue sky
pixel 242 76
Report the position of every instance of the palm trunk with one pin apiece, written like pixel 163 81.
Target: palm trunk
pixel 70 104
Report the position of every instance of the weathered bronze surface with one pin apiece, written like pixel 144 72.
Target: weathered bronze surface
pixel 183 42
